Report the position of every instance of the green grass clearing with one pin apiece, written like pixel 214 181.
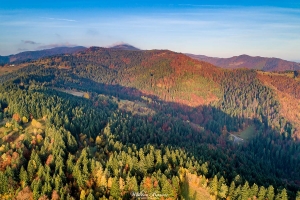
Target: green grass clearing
pixel 248 133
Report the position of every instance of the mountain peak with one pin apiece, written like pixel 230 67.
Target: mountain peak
pixel 124 46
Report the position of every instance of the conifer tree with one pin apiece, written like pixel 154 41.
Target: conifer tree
pixel 3 183
pixel 214 186
pixel 223 191
pixel 245 192
pixel 254 190
pixel 90 197
pixel 261 193
pixel 270 193
pixel 115 189
pixel 282 195
pixel 167 188
pixel 23 177
pixel 231 189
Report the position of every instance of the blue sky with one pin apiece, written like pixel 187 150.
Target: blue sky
pixel 212 28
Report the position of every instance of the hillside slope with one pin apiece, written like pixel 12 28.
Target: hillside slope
pixel 171 77
pixel 152 117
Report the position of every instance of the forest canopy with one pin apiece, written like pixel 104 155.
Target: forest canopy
pixel 114 124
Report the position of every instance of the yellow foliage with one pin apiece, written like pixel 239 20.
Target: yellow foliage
pixel 98 176
pixel 2 148
pixel 98 140
pixel 40 131
pixel 86 95
pixel 4 157
pixel 103 181
pixel 12 145
pixel 122 184
pixel 8 125
pixel 24 119
pixel 109 182
pixel 6 196
pixel 82 195
pixel 182 174
pixel 36 124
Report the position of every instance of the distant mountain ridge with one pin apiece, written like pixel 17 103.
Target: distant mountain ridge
pixel 250 62
pixel 33 55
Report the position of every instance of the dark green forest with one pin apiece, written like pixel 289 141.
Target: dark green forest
pixel 146 122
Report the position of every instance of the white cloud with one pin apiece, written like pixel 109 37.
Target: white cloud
pixel 58 19
pixel 49 46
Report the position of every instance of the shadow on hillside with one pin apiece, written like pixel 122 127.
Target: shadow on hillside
pixel 201 132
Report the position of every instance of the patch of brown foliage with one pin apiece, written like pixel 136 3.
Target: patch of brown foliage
pixel 126 60
pixel 288 93
pixel 55 195
pixel 16 117
pixel 5 161
pixel 25 194
pixel 44 197
pixel 49 160
pixel 282 82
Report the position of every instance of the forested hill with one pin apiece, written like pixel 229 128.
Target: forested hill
pixel 250 62
pixel 34 55
pixel 109 123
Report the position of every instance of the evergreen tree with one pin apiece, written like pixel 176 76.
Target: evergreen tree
pixel 231 189
pixel 223 191
pixel 245 191
pixel 167 188
pixel 282 195
pixel 270 193
pixel 4 183
pixel 237 193
pixel 214 186
pixel 115 189
pixel 31 169
pixel 176 184
pixel 23 177
pixel 261 193
pixel 36 187
pixel 57 183
pixel 132 184
pixel 254 191
pixel 47 189
pixel 90 197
